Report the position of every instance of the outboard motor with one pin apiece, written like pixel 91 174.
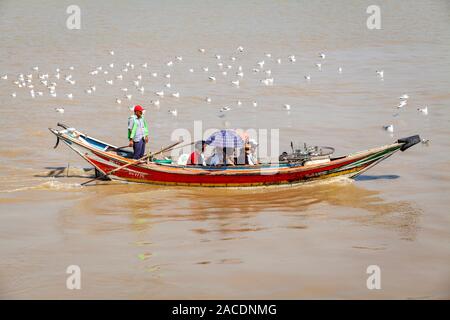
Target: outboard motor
pixel 308 153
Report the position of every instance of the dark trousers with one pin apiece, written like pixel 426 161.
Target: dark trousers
pixel 138 149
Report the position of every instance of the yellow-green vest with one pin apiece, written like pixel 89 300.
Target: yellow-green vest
pixel 132 132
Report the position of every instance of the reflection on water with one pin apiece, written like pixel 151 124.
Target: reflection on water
pixel 236 210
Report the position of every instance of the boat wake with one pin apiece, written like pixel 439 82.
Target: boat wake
pixel 48 185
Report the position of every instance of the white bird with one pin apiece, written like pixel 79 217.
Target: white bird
pixel 179 58
pixel 93 88
pixel 5 77
pixel 255 104
pixel 240 49
pixel 155 102
pixel 380 73
pixel 322 55
pixel 173 112
pixel 169 64
pixel 340 69
pixel 404 97
pixel 279 61
pixel 191 70
pixel 141 90
pixel 233 58
pixel 69 95
pixel 145 65
pixel 119 77
pixel 267 82
pixel 224 73
pixel 208 99
pixel 268 55
pixel 239 103
pixel 205 69
pixel 154 74
pixel 53 94
pixel 111 65
pixel 319 66
pixel 35 68
pixel 128 96
pixel 139 76
pixel 168 85
pixel 402 104
pixel 32 93
pixel 40 93
pixel 308 77
pixel 88 91
pixel 240 74
pixel 218 56
pixel 236 83
pixel 118 101
pixel 240 68
pixel 224 109
pixel 212 78
pixel 268 72
pixel 202 50
pixel 256 70
pixel 423 110
pixel 13 94
pixel 111 52
pixel 160 93
pixel 261 63
pixel 71 68
pixel 110 82
pixel 124 89
pixel 136 83
pixel 60 110
pixel 176 95
pixel 220 65
pixel 287 107
pixel 389 128
pixel 93 73
pixel 292 58
pixel 168 75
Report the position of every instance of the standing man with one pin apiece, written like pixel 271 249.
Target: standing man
pixel 137 132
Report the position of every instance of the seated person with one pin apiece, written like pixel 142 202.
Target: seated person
pixel 198 157
pixel 217 158
pixel 229 156
pixel 250 152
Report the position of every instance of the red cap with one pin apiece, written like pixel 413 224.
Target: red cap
pixel 138 108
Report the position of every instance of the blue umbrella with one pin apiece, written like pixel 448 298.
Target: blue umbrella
pixel 225 139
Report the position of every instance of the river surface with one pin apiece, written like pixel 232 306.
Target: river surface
pixel 137 241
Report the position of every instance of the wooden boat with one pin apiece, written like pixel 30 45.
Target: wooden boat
pixel 106 157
